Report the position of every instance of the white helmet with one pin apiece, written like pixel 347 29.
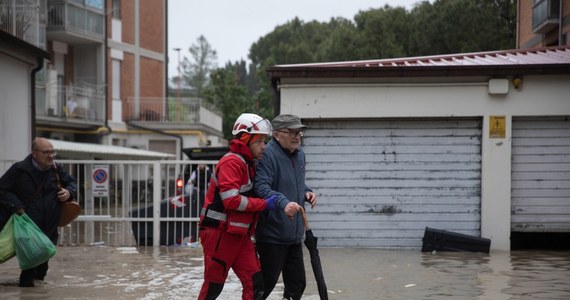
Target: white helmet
pixel 252 124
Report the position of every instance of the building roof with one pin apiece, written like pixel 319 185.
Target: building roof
pixel 551 60
pixel 21 47
pixel 88 150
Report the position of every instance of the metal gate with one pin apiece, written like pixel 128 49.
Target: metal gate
pixel 126 203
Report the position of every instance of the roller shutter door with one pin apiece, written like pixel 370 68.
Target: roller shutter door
pixel 164 146
pixel 381 182
pixel 540 187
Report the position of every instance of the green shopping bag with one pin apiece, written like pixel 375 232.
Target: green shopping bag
pixel 7 249
pixel 33 247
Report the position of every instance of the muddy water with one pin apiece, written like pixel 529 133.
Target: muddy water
pixel 100 272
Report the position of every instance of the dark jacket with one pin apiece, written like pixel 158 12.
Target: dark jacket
pixel 283 173
pixel 22 181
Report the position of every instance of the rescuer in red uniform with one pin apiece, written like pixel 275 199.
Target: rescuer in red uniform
pixel 229 215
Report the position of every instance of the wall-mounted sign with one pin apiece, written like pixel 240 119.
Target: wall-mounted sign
pixel 497 127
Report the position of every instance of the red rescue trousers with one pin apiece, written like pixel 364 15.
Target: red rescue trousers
pixel 223 251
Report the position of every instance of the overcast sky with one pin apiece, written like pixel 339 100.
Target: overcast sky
pixel 232 26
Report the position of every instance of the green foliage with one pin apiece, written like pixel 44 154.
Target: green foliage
pixel 385 32
pixel 229 95
pixel 459 26
pixel 430 28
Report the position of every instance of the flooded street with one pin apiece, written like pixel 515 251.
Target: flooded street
pixel 100 272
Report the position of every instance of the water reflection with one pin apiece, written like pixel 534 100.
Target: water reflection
pixel 176 272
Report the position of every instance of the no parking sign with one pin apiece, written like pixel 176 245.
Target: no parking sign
pixel 100 180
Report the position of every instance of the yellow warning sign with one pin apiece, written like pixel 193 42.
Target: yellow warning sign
pixel 497 127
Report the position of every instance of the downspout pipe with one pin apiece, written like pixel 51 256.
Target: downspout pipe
pixel 166 56
pixel 106 75
pixel 35 70
pixel 276 97
pixel 560 24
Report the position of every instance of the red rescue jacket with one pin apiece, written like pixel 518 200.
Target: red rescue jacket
pixel 229 202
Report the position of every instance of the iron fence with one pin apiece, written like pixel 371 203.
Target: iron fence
pixel 127 203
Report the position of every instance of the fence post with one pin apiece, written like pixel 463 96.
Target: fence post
pixel 156 194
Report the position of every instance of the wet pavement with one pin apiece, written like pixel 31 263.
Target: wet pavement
pixel 101 272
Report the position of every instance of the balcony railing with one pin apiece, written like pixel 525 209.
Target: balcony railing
pixel 76 19
pixel 21 19
pixel 545 14
pixel 81 103
pixel 172 111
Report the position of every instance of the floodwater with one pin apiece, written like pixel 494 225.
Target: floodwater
pixel 101 272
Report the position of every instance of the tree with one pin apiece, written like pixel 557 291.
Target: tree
pixel 197 69
pixel 385 32
pixel 430 28
pixel 459 26
pixel 228 94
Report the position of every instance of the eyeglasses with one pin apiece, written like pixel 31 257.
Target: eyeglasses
pixel 47 152
pixel 293 134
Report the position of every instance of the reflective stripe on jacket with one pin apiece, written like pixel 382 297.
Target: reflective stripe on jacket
pixel 229 203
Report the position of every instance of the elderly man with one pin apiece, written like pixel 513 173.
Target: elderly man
pixel 29 186
pixel 281 173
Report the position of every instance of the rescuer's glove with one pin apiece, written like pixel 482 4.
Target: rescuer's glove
pixel 271 203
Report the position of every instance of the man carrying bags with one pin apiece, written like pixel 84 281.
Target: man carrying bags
pixel 29 187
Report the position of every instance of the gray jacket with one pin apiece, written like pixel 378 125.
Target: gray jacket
pixel 283 173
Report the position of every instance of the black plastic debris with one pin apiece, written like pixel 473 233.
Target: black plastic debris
pixel 442 240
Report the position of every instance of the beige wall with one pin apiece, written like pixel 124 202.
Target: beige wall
pixel 538 96
pixel 15 115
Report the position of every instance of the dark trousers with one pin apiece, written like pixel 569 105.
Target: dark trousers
pixel 286 259
pixel 28 276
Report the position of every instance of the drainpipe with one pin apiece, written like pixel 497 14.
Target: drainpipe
pixel 560 25
pixel 106 76
pixel 276 97
pixel 35 70
pixel 517 42
pixel 166 58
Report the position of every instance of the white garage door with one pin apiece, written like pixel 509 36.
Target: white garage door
pixel 381 182
pixel 540 195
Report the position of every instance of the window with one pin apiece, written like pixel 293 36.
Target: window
pixel 545 15
pixel 117 9
pixel 98 4
pixel 116 71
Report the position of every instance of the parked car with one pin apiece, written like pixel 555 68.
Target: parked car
pixel 181 205
pixel 197 153
pixel 171 232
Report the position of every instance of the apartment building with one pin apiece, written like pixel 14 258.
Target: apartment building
pixel 543 23
pixel 105 81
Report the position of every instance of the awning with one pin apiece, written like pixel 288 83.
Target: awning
pixel 74 150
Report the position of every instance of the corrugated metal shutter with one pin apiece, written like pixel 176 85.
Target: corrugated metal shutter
pixel 381 182
pixel 540 188
pixel 163 146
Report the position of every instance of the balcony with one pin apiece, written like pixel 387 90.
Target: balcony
pixel 21 19
pixel 80 104
pixel 545 16
pixel 74 23
pixel 170 111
